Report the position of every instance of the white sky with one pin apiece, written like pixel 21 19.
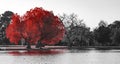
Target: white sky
pixel 92 11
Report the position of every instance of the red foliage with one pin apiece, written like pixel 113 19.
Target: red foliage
pixel 52 32
pixel 36 25
pixel 13 30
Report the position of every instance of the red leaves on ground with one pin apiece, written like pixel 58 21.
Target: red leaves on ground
pixel 36 25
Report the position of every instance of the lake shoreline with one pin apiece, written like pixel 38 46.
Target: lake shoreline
pixel 21 47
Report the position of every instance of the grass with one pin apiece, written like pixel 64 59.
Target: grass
pixel 21 47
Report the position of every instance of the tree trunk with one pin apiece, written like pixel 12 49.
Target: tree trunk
pixel 28 45
pixel 39 45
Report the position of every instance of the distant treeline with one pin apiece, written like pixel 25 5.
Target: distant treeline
pixel 77 33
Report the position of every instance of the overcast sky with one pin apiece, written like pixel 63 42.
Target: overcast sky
pixel 92 11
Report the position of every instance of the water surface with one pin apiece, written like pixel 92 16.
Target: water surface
pixel 61 57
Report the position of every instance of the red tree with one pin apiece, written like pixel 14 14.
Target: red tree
pixel 36 25
pixel 13 30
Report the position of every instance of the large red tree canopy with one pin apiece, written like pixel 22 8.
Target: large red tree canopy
pixel 36 25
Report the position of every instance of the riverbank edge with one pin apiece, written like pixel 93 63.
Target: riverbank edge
pixel 19 47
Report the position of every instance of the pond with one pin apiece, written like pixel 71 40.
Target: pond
pixel 60 56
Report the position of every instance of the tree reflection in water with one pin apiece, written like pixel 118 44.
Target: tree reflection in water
pixel 35 52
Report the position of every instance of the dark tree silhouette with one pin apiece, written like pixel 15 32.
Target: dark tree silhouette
pixel 102 34
pixel 79 35
pixel 115 33
pixel 115 24
pixel 115 37
pixel 4 22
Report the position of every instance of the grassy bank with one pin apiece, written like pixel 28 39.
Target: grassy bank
pixel 20 47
